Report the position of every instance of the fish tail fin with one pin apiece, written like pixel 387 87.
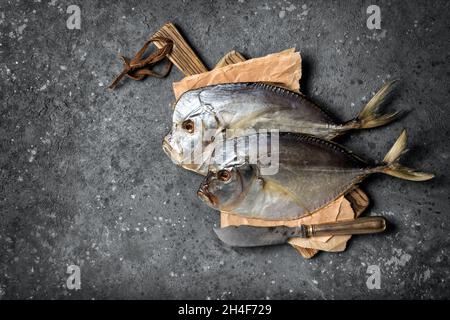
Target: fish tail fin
pixel 369 117
pixel 393 168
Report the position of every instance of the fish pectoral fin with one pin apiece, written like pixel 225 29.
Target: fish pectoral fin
pixel 252 118
pixel 272 187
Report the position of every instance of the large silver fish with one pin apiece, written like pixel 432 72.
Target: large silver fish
pixel 202 113
pixel 312 173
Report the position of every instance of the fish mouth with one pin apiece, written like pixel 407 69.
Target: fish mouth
pixel 168 149
pixel 206 196
pixel 177 157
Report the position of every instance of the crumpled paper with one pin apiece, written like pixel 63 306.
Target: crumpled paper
pixel 282 69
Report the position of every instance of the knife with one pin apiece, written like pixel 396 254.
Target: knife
pixel 249 236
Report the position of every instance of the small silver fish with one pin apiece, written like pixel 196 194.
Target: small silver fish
pixel 312 173
pixel 200 114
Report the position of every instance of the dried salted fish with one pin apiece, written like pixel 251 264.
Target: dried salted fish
pixel 202 113
pixel 312 173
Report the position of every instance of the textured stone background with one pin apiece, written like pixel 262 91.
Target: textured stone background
pixel 84 180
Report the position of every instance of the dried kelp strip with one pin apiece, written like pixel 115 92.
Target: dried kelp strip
pixel 138 67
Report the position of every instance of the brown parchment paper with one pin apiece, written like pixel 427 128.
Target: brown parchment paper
pixel 282 69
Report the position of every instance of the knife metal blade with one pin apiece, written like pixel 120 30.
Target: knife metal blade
pixel 250 236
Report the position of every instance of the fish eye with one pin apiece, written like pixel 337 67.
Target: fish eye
pixel 223 175
pixel 188 125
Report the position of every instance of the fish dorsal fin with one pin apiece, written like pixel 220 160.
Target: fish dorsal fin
pixel 310 139
pixel 269 87
pixel 299 95
pixel 277 89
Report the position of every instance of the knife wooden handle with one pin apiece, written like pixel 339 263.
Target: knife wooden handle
pixel 363 225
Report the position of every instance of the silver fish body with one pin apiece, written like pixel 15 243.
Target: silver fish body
pixel 200 114
pixel 312 173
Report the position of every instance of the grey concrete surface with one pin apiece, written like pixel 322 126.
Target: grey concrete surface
pixel 84 180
